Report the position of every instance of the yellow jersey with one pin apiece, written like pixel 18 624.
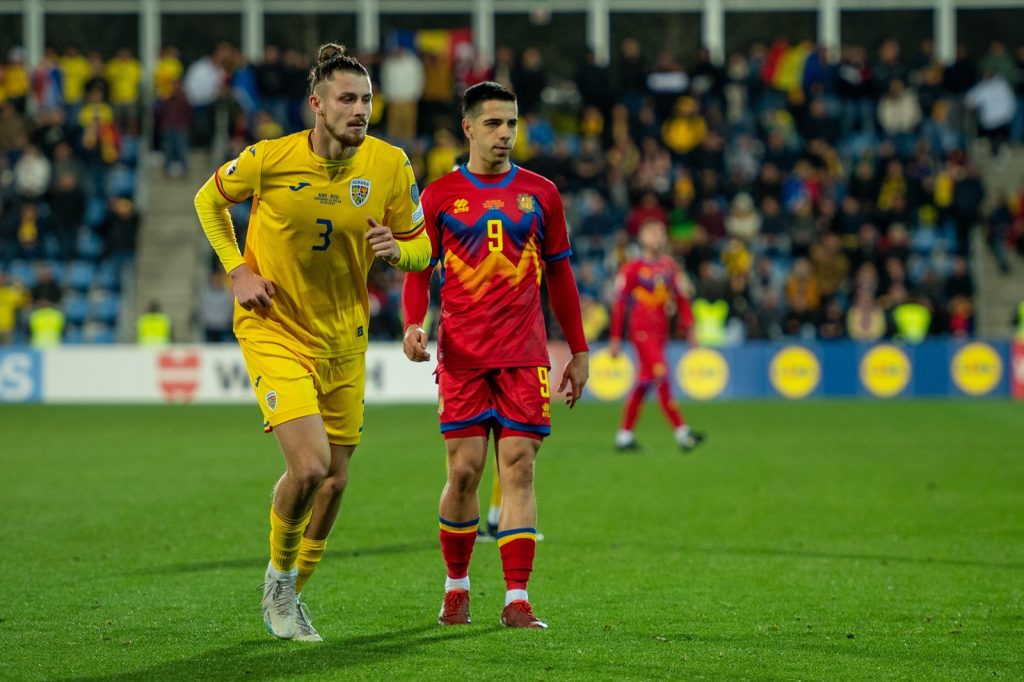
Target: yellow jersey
pixel 307 236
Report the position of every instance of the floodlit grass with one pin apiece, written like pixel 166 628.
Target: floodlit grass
pixel 819 540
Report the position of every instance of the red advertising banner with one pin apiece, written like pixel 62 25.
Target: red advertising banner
pixel 1017 369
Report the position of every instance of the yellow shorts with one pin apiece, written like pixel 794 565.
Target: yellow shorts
pixel 289 385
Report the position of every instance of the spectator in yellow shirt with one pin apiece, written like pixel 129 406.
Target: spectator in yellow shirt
pixel 75 70
pixel 13 297
pixel 124 74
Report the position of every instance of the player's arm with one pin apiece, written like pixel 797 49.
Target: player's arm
pixel 415 301
pixel 416 290
pixel 684 312
pixel 222 190
pixel 619 312
pixel 564 299
pixel 563 295
pixel 404 242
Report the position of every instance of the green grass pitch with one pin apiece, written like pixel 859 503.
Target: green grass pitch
pixel 818 540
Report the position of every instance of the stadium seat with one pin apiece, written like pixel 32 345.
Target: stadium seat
pixel 76 309
pixel 121 181
pixel 90 244
pixel 80 275
pixel 23 271
pixel 108 276
pixel 105 307
pixel 100 333
pixel 95 212
pixel 73 335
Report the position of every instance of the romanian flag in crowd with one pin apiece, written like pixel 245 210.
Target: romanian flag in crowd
pixel 443 42
pixel 785 64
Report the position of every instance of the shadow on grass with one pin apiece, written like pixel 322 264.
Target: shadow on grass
pixel 268 658
pixel 249 562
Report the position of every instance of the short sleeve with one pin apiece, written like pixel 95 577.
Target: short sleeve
pixel 239 179
pixel 404 213
pixel 556 235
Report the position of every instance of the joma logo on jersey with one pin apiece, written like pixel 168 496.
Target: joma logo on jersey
pixel 359 191
pixel 461 206
pixel 494 203
pixel 296 188
pixel 328 199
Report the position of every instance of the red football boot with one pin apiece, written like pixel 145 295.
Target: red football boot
pixel 519 614
pixel 454 608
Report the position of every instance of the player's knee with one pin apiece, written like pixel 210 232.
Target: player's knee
pixel 463 478
pixel 518 474
pixel 309 475
pixel 335 485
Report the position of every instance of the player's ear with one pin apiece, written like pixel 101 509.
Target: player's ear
pixel 314 102
pixel 467 129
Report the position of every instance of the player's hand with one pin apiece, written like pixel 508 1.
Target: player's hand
pixel 383 242
pixel 615 347
pixel 251 290
pixel 575 375
pixel 415 343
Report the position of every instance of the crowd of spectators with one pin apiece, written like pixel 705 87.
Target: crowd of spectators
pixel 810 194
pixel 69 146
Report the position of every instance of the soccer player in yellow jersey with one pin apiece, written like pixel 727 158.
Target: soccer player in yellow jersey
pixel 327 201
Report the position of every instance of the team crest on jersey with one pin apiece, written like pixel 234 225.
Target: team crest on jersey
pixel 461 206
pixel 359 191
pixel 525 202
pixel 271 399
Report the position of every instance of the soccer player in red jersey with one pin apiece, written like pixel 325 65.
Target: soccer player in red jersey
pixel 496 230
pixel 649 289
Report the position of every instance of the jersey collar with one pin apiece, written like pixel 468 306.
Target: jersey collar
pixel 479 184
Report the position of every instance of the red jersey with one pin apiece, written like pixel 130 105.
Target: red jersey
pixel 650 292
pixel 489 235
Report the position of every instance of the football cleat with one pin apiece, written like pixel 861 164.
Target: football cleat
pixel 279 609
pixel 692 440
pixel 305 632
pixel 454 608
pixel 487 533
pixel 630 447
pixel 519 614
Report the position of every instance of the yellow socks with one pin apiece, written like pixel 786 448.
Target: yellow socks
pixel 285 538
pixel 310 553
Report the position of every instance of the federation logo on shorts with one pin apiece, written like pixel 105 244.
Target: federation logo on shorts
pixel 525 202
pixel 359 191
pixel 271 399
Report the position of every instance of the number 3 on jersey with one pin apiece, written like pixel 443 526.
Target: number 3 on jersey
pixel 325 235
pixel 495 235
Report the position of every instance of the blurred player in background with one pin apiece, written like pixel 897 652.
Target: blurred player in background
pixel 495 223
pixel 649 290
pixel 327 201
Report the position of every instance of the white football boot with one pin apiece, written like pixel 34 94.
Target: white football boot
pixel 306 632
pixel 279 603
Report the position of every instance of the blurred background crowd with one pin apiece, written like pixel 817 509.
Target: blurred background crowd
pixel 807 195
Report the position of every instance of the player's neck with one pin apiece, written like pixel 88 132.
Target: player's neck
pixel 650 255
pixel 480 167
pixel 328 147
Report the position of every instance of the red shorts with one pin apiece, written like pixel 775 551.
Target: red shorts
pixel 651 354
pixel 514 401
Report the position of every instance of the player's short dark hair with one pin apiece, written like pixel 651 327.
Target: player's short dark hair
pixel 332 57
pixel 482 92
